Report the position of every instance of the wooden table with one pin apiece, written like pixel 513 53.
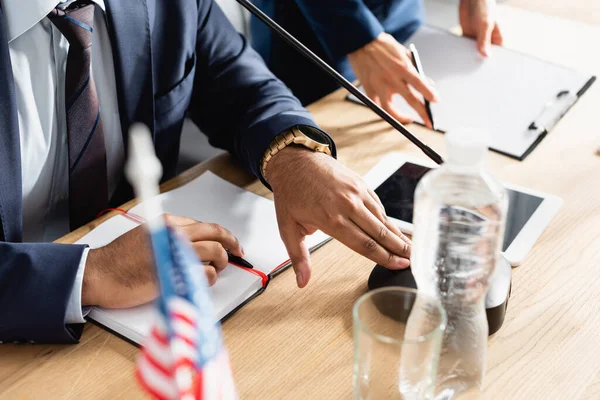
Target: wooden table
pixel 297 344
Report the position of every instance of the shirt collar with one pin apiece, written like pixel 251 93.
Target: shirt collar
pixel 22 15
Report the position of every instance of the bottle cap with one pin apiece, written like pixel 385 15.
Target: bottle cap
pixel 466 146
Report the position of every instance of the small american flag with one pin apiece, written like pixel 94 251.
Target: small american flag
pixel 184 356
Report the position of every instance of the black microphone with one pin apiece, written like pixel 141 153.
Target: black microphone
pixel 306 52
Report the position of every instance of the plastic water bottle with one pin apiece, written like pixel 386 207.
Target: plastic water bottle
pixel 459 218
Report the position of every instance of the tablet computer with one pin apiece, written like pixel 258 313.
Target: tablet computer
pixel 395 179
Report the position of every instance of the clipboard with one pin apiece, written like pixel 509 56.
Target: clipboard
pixel 516 98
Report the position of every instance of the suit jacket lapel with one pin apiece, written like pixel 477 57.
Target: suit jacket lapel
pixel 129 29
pixel 11 207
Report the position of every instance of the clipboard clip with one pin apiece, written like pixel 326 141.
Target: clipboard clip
pixel 552 112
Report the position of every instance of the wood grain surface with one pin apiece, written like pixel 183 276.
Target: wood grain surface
pixel 297 344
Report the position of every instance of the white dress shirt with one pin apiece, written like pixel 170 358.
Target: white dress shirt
pixel 38 52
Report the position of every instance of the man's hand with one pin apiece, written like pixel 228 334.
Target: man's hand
pixel 385 68
pixel 314 191
pixel 122 273
pixel 477 21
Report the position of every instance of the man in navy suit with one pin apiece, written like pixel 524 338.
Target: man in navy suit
pixel 74 76
pixel 362 40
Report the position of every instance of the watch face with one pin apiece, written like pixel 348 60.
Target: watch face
pixel 313 134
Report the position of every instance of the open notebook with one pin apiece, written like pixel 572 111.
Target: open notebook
pixel 514 97
pixel 208 198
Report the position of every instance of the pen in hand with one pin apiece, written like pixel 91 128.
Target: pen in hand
pixel 235 260
pixel 238 260
pixel 419 68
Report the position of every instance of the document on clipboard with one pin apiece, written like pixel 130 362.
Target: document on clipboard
pixel 515 97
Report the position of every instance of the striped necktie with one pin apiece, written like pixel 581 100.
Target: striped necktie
pixel 88 188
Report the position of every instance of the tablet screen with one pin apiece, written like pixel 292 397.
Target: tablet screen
pixel 397 195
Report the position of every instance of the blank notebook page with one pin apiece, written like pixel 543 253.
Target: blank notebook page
pixel 502 95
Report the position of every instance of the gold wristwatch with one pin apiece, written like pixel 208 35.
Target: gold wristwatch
pixel 296 136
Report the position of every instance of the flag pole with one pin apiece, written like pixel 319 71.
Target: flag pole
pixel 143 170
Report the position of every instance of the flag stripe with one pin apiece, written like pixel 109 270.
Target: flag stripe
pixel 148 388
pixel 199 385
pixel 161 337
pixel 182 349
pixel 184 330
pixel 182 316
pixel 160 352
pixel 155 382
pixel 184 363
pixel 178 315
pixel 187 340
pixel 166 370
pixel 184 307
pixel 184 379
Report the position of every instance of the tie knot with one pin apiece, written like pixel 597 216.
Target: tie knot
pixel 75 23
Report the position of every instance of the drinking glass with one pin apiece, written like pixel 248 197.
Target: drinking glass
pixel 397 338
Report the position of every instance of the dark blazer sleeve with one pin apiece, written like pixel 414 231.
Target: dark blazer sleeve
pixel 36 280
pixel 237 102
pixel 342 26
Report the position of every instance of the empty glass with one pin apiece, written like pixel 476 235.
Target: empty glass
pixel 397 339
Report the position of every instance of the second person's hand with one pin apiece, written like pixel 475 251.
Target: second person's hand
pixel 478 21
pixel 384 67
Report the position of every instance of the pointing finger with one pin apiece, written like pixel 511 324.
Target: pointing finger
pixel 293 240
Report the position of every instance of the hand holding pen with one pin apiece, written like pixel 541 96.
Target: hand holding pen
pixel 386 68
pixel 419 67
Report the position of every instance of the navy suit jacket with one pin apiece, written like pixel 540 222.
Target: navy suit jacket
pixel 332 29
pixel 173 58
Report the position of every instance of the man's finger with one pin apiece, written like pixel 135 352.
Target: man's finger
pixel 211 275
pixel 377 200
pixel 356 239
pixel 417 104
pixel 414 79
pixel 213 253
pixel 178 220
pixel 401 67
pixel 377 230
pixel 484 38
pixel 296 248
pixel 497 37
pixel 372 94
pixel 375 206
pixel 387 106
pixel 200 232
